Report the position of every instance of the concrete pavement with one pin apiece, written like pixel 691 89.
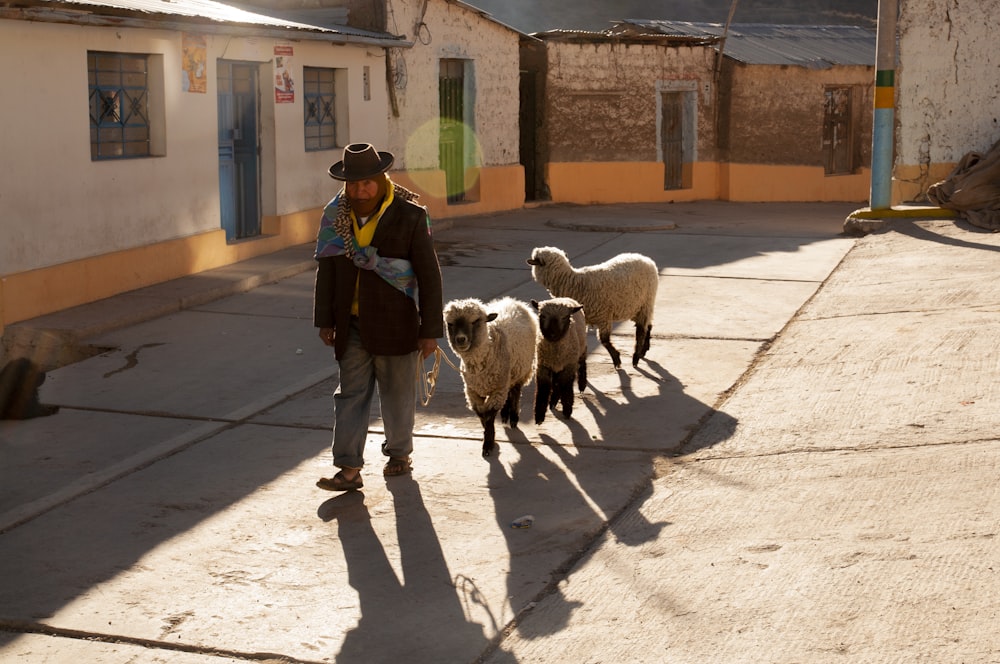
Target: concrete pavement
pixel 803 470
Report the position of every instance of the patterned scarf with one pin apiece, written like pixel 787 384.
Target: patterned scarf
pixel 336 238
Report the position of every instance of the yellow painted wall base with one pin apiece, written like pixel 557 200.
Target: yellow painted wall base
pixel 630 182
pixel 759 183
pixel 612 182
pixel 26 295
pixel 35 293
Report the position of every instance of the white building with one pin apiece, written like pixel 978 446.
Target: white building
pixel 143 141
pixel 947 87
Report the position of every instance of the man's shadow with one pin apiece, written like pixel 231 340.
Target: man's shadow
pixel 417 618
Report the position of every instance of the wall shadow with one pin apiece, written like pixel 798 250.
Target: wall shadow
pixel 918 232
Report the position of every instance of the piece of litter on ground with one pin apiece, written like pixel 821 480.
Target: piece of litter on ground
pixel 523 521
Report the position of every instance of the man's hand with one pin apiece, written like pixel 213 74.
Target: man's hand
pixel 426 347
pixel 327 334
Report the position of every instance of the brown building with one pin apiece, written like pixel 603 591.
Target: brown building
pixel 660 111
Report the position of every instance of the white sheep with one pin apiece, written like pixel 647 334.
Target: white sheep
pixel 621 288
pixel 496 344
pixel 561 354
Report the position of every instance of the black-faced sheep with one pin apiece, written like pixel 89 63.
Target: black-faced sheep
pixel 496 343
pixel 561 354
pixel 622 288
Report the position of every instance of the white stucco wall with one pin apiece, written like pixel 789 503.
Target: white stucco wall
pixel 451 31
pixel 302 181
pixel 58 205
pixel 948 80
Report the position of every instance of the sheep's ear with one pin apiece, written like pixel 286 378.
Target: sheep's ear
pixel 491 317
pixel 576 309
pixel 534 304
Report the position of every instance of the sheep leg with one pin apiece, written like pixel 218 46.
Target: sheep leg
pixel 505 410
pixel 512 407
pixel 488 419
pixel 605 336
pixel 642 334
pixel 581 373
pixel 565 388
pixel 543 387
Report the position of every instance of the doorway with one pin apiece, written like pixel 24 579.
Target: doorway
pixel 672 138
pixel 451 146
pixel 239 148
pixel 838 131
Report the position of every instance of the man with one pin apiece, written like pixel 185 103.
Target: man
pixel 378 303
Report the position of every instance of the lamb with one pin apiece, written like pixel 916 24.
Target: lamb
pixel 496 345
pixel 622 288
pixel 560 355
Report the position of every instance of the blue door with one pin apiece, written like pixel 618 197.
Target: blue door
pixel 239 168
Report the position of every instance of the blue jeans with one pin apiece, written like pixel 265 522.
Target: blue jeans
pixel 396 377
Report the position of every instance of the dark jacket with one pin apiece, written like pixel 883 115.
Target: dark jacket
pixel 389 320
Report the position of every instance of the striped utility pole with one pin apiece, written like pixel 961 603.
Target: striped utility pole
pixel 885 104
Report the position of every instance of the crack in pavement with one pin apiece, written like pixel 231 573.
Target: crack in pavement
pixel 132 359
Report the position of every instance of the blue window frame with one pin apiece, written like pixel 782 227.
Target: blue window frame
pixel 119 105
pixel 320 110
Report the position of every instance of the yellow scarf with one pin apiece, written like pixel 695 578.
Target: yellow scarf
pixel 365 234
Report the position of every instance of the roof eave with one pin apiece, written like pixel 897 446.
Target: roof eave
pixel 192 24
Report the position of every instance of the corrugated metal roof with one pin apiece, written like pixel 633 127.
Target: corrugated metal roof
pixel 489 17
pixel 326 17
pixel 316 25
pixel 625 34
pixel 812 46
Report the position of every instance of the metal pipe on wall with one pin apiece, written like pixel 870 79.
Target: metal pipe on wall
pixel 883 126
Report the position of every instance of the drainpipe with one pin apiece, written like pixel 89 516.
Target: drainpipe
pixel 884 120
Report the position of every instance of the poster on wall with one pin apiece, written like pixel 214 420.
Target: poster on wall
pixel 193 56
pixel 284 85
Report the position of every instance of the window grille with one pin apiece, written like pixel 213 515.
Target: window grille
pixel 119 105
pixel 320 111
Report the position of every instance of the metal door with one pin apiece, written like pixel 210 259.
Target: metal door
pixel 451 147
pixel 239 168
pixel 672 139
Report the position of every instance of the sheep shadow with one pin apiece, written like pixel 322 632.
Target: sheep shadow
pixel 663 421
pixel 613 417
pixel 587 484
pixel 535 474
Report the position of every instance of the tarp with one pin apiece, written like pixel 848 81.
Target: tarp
pixel 973 189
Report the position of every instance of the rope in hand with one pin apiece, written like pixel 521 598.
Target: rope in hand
pixel 428 380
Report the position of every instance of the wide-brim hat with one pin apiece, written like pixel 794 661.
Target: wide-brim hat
pixel 361 161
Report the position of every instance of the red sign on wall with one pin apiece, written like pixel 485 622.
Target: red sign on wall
pixel 284 84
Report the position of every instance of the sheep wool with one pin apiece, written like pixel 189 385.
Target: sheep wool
pixel 621 288
pixel 496 345
pixel 561 354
